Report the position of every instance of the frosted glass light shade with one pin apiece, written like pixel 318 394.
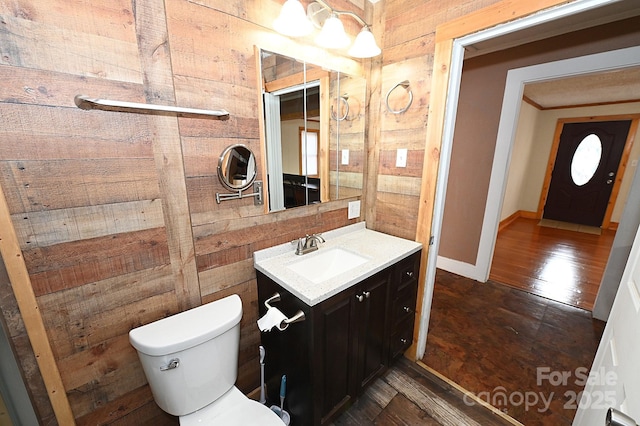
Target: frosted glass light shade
pixel 293 21
pixel 332 35
pixel 365 45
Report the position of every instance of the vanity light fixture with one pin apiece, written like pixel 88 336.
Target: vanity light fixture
pixel 294 23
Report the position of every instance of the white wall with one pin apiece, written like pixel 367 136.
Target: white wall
pixel 515 197
pixel 531 155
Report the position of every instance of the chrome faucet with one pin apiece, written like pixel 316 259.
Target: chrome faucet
pixel 308 244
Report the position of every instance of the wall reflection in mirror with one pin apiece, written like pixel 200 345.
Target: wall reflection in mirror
pixel 314 132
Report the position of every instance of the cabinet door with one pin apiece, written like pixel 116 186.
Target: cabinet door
pixel 334 336
pixel 372 309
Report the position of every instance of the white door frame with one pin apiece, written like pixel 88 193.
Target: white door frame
pixel 501 157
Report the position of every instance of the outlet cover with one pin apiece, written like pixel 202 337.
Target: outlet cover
pixel 401 157
pixel 354 209
pixel 345 157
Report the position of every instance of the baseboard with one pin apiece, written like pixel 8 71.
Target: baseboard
pixel 512 218
pixel 460 268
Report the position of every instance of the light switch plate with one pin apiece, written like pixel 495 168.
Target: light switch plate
pixel 354 209
pixel 401 157
pixel 345 157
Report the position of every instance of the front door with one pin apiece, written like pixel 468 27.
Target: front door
pixel 614 379
pixel 584 172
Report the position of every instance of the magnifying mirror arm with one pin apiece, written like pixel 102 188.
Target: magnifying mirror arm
pixel 257 192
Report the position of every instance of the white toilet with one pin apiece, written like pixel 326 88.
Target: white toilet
pixel 191 362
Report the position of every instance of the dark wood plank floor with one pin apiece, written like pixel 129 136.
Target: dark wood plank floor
pixel 408 395
pixel 559 264
pixel 508 346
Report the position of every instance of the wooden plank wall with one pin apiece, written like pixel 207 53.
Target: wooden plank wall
pixel 347 132
pixel 115 212
pixel 408 52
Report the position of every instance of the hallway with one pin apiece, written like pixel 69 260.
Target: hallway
pixel 565 266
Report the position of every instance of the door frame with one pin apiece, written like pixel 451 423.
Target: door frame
pixel 450 40
pixel 622 166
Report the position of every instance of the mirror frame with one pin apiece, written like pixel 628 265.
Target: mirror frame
pixel 224 180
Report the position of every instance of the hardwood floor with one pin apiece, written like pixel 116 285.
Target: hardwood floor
pixel 408 395
pixel 562 265
pixel 508 346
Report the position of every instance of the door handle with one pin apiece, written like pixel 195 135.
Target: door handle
pixel 618 418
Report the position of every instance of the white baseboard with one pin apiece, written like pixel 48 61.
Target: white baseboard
pixel 460 268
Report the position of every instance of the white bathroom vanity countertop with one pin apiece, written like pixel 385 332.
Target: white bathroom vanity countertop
pixel 380 250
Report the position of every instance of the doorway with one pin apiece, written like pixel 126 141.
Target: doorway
pixel 584 169
pixel 450 49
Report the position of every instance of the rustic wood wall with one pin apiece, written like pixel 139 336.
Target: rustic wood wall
pixel 115 213
pixel 407 55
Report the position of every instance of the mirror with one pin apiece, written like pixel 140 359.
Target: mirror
pixel 313 132
pixel 237 168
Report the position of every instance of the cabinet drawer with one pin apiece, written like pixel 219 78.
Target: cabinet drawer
pixel 404 305
pixel 401 338
pixel 407 272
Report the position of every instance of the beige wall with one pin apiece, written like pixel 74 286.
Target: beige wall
pixel 532 147
pixel 291 144
pixel 481 92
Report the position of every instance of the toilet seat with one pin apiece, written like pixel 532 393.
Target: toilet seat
pixel 232 409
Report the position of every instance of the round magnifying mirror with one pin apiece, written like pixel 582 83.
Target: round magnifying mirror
pixel 237 167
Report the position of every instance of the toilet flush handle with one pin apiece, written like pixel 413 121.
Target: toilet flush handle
pixel 174 363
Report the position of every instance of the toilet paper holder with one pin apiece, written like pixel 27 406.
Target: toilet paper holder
pixel 298 317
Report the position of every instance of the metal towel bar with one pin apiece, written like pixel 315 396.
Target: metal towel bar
pixel 87 103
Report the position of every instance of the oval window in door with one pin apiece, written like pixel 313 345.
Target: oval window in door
pixel 586 159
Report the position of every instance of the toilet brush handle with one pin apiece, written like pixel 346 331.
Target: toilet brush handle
pixel 283 390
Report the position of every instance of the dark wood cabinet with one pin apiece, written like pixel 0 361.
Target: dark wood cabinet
pixel 403 293
pixel 344 344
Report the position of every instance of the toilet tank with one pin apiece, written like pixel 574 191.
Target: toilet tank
pixel 190 359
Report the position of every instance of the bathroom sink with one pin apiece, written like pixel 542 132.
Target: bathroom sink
pixel 323 265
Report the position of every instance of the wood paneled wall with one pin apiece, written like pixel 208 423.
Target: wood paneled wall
pixel 408 52
pixel 115 212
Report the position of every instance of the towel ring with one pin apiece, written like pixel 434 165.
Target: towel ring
pixel 404 84
pixel 344 98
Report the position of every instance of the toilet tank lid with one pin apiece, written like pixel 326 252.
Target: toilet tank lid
pixel 187 329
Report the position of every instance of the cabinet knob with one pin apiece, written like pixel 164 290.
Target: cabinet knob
pixel 359 297
pixel 410 274
pixel 367 294
pixel 406 309
pixel 403 341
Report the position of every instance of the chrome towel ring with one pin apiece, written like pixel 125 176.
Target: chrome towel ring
pixel 405 85
pixel 344 98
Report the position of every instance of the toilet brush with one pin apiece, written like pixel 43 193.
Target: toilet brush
pixel 263 399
